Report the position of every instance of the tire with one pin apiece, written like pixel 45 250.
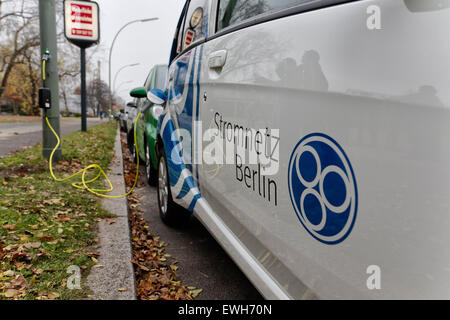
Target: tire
pixel 150 172
pixel 171 214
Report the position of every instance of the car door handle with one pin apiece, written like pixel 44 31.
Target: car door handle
pixel 217 60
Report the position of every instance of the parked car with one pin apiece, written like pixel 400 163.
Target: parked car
pixel 148 122
pixel 345 105
pixel 117 118
pixel 131 114
pixel 121 116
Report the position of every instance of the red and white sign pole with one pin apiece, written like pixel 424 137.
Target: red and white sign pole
pixel 82 28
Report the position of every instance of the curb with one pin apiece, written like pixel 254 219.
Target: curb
pixel 114 272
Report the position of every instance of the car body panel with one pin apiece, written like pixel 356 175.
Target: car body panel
pixel 379 94
pixel 147 125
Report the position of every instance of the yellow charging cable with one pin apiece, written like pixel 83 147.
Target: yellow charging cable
pixel 43 69
pixel 83 185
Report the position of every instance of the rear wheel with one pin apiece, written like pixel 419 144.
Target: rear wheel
pixel 171 213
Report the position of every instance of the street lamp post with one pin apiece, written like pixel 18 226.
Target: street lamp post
pixel 110 54
pixel 117 73
pixel 120 85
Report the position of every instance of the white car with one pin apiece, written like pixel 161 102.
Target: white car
pixel 333 116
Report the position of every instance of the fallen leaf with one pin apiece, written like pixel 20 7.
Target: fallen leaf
pixel 195 293
pixel 46 238
pixel 53 295
pixel 110 221
pixel 38 271
pixel 9 273
pixel 18 283
pixel 32 245
pixel 95 255
pixel 11 293
pixel 66 219
pixel 123 289
pixel 9 227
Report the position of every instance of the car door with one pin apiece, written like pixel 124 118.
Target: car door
pixel 182 111
pixel 350 101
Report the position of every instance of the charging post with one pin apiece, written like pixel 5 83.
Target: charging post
pixel 49 94
pixel 82 28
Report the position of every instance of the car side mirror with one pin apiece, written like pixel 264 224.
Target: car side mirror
pixel 138 92
pixel 157 96
pixel 131 105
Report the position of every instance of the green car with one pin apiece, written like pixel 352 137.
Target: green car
pixel 148 122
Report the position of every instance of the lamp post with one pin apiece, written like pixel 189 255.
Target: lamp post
pixel 120 85
pixel 117 73
pixel 111 49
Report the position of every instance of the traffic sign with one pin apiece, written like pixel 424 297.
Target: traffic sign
pixel 81 22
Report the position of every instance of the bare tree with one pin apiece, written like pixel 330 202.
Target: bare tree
pixel 19 47
pixel 21 34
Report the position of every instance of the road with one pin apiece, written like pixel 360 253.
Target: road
pixel 202 262
pixel 17 136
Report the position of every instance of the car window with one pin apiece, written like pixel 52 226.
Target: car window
pixel 232 12
pixel 195 23
pixel 161 78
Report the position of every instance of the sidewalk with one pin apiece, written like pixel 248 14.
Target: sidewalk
pixel 113 278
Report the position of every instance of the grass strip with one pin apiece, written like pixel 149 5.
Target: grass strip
pixel 47 227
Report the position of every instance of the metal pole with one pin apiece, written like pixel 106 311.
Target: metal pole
pixel 47 23
pixel 120 85
pixel 118 72
pixel 110 55
pixel 83 90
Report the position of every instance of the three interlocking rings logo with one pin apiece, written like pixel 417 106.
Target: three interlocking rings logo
pixel 323 189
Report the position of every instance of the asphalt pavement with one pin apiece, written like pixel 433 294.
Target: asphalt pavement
pixel 17 136
pixel 201 260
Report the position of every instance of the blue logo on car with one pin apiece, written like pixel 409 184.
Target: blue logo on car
pixel 322 187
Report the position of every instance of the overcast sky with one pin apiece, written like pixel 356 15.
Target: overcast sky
pixel 146 43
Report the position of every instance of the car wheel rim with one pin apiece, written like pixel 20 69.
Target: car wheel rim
pixel 163 188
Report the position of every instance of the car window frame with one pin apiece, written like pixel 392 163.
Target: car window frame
pixel 205 14
pixel 209 4
pixel 174 54
pixel 273 15
pixel 259 19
